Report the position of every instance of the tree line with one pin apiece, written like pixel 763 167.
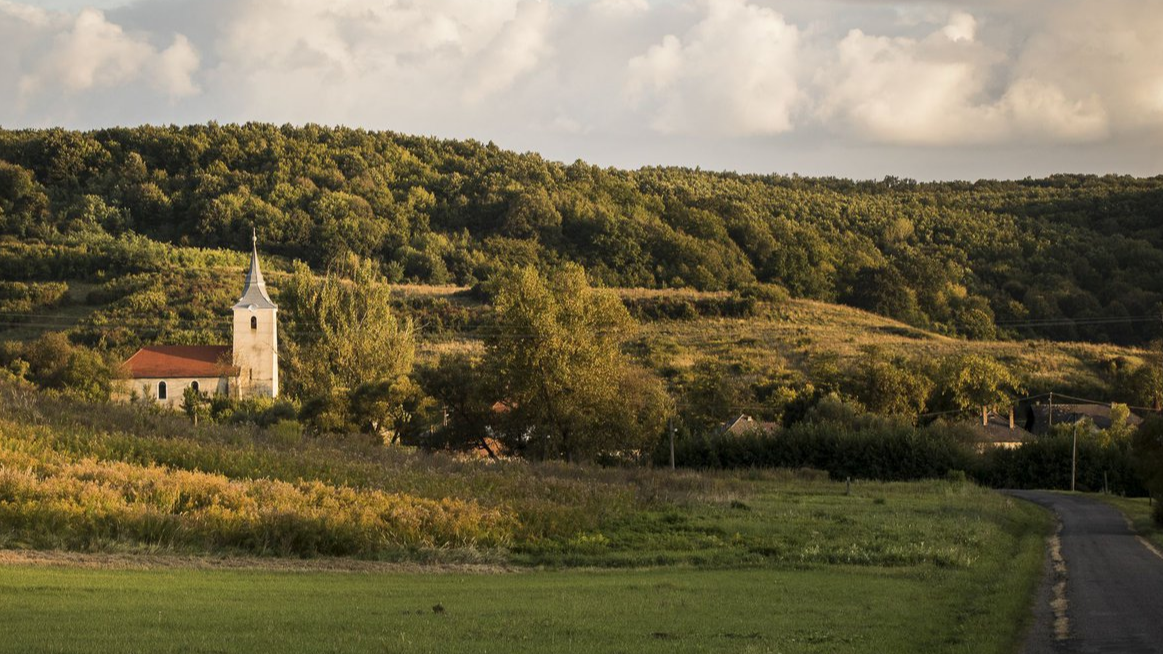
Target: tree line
pixel 1070 257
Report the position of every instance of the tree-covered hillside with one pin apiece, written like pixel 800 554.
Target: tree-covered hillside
pixel 1070 257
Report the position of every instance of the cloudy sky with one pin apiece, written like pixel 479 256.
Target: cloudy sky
pixel 860 88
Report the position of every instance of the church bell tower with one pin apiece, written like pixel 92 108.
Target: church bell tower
pixel 256 340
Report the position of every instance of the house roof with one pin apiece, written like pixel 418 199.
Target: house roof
pixel 160 361
pixel 745 424
pixel 1065 414
pixel 997 430
pixel 254 293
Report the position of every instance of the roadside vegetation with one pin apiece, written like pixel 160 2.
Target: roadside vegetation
pixel 1141 514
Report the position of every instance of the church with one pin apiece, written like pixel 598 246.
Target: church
pixel 247 368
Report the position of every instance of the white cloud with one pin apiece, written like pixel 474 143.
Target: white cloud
pixel 655 81
pixel 733 73
pixel 1037 109
pixel 90 52
pixel 174 69
pixel 937 91
pixel 71 55
pixel 1105 53
pixel 621 7
pixel 961 27
pixel 516 50
pixel 26 14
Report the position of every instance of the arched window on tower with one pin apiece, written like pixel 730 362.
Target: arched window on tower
pixel 254 322
pixel 161 391
pixel 194 385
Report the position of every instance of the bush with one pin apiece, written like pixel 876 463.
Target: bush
pixel 54 363
pixel 689 306
pixel 286 432
pixel 1046 463
pixel 261 411
pixel 883 451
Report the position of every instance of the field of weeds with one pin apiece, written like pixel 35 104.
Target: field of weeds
pixel 123 476
pixel 128 478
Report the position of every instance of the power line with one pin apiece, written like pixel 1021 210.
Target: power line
pixel 1067 322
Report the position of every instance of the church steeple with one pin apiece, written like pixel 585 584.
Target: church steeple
pixel 256 337
pixel 254 293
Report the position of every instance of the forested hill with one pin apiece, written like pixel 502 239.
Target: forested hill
pixel 1070 257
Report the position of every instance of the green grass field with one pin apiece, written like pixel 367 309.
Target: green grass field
pixel 829 609
pixel 927 567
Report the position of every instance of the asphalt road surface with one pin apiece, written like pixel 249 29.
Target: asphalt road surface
pixel 1112 583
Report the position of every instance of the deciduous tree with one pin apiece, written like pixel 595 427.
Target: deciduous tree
pixel 554 348
pixel 340 332
pixel 972 381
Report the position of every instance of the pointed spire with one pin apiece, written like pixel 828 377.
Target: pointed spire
pixel 254 293
pixel 255 275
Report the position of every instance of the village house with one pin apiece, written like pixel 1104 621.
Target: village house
pixel 745 424
pixel 247 368
pixel 999 431
pixel 1041 418
pixel 1029 420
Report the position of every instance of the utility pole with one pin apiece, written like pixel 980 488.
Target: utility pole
pixel 1051 408
pixel 1074 459
pixel 671 430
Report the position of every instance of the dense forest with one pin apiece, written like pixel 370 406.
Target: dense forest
pixel 1065 258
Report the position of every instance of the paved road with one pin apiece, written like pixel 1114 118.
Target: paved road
pixel 1113 584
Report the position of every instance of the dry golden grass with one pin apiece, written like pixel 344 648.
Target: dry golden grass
pixel 797 332
pixel 423 290
pixel 803 330
pixel 684 293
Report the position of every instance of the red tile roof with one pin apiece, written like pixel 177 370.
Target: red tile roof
pixel 161 361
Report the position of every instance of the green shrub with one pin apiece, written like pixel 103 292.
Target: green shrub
pixel 286 432
pixel 1046 463
pixel 884 451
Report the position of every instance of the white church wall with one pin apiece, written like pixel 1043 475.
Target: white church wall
pixel 147 389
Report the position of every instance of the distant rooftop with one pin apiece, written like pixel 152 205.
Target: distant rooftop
pixel 1038 418
pixel 745 424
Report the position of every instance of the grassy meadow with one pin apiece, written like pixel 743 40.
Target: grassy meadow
pixel 527 557
pixel 806 337
pixel 825 609
pixel 807 340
